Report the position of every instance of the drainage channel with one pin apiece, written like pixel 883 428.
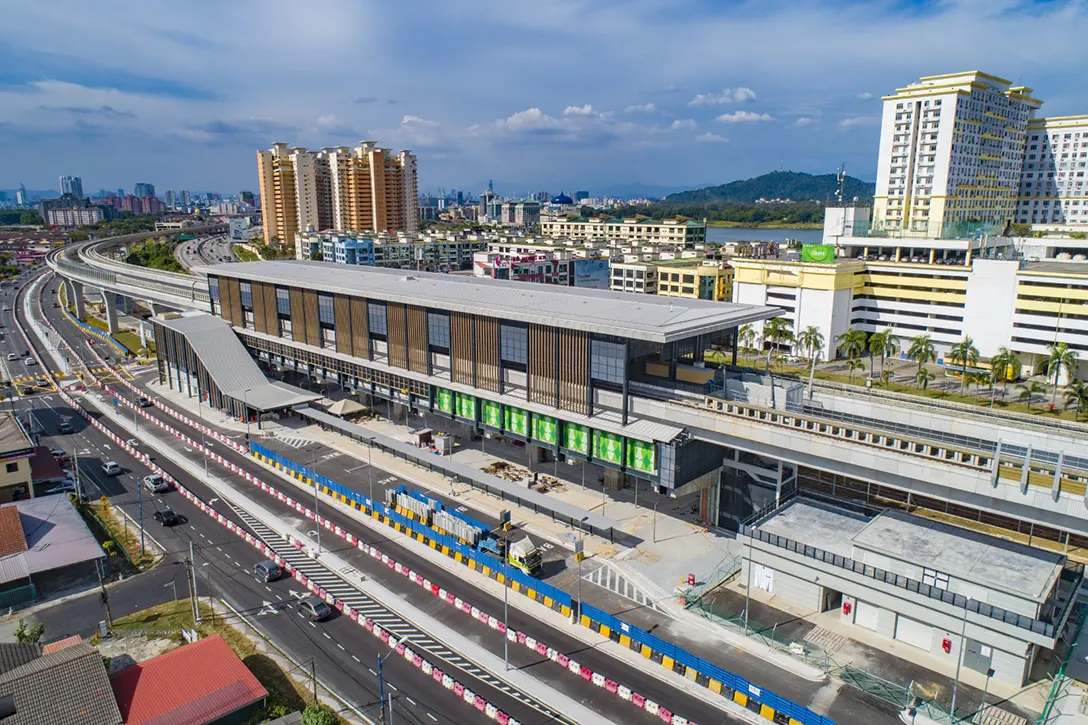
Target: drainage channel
pixel 345 592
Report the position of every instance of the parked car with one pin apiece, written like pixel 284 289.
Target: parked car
pixel 12 357
pixel 268 571
pixel 65 427
pixel 167 517
pixel 315 609
pixel 156 483
pixel 30 361
pixel 143 402
pixel 111 468
pixel 62 487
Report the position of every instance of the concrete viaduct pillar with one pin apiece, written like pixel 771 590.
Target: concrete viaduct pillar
pixel 109 303
pixel 75 294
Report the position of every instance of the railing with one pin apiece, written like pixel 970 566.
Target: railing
pixel 18 596
pixel 700 670
pixel 85 272
pixel 1073 573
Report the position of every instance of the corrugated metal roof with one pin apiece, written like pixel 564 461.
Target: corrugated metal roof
pixel 56 537
pixel 66 686
pixel 631 315
pixel 230 365
pixel 191 685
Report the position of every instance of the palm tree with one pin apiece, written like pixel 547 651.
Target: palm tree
pixel 1076 397
pixel 886 377
pixel 876 347
pixel 923 376
pixel 1005 366
pixel 1060 357
pixel 747 337
pixel 853 365
pixel 1029 389
pixel 921 351
pixel 811 341
pixel 891 346
pixel 851 343
pixel 965 353
pixel 776 331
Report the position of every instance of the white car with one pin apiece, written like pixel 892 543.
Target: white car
pixel 156 483
pixel 30 361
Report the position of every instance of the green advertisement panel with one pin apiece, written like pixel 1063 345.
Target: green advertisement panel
pixel 608 447
pixel 817 252
pixel 516 421
pixel 492 415
pixel 465 406
pixel 576 438
pixel 545 429
pixel 641 456
pixel 443 400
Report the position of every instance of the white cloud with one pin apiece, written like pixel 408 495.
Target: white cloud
pixel 681 124
pixel 728 95
pixel 744 117
pixel 865 96
pixel 586 110
pixel 804 121
pixel 642 108
pixel 531 120
pixel 848 124
pixel 710 138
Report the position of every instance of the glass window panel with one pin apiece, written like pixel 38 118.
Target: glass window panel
pixel 438 329
pixel 325 313
pixel 376 316
pixel 283 301
pixel 515 344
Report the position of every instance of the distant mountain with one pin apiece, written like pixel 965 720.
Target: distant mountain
pixel 793 185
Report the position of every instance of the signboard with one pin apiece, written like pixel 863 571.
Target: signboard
pixel 464 406
pixel 591 273
pixel 545 429
pixel 608 447
pixel 642 456
pixel 492 414
pixel 818 253
pixel 443 400
pixel 516 421
pixel 576 438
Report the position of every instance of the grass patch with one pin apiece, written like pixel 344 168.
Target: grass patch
pixel 98 324
pixel 285 693
pixel 127 537
pixel 245 255
pixel 132 343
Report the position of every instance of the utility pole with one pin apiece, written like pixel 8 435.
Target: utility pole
pixel 140 501
pixel 105 596
pixel 196 596
pixel 313 677
pixel 313 480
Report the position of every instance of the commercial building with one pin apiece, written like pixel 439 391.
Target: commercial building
pixel 72 185
pixel 523 213
pixel 691 277
pixel 171 199
pixel 953 594
pixel 358 189
pixel 141 190
pixel 544 266
pixel 678 231
pixel 1052 186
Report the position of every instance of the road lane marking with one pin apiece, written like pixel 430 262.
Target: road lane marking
pixel 356 658
pixel 410 700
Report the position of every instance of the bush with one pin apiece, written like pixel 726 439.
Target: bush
pixel 319 715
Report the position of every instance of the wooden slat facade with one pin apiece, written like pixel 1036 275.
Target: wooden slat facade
pixel 487 353
pixel 574 371
pixel 312 328
pixel 298 315
pixel 341 308
pixel 264 308
pixel 417 339
pixel 396 334
pixel 360 328
pixel 231 297
pixel 462 356
pixel 542 372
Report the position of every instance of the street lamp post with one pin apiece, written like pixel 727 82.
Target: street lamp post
pixel 959 663
pixel 655 520
pixel 370 469
pixel 581 554
pixel 317 513
pixel 381 680
pixel 505 599
pixel 245 410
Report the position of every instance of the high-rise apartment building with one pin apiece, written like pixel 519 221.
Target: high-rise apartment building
pixel 358 189
pixel 171 199
pixel 1052 187
pixel 141 190
pixel 951 156
pixel 186 197
pixel 246 197
pixel 71 185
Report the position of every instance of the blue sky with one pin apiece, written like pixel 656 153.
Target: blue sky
pixel 587 94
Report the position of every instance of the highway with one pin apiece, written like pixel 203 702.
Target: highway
pixel 594 697
pixel 205 250
pixel 341 648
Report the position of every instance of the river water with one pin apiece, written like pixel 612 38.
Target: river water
pixel 729 234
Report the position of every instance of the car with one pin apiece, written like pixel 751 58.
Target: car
pixel 156 483
pixel 62 487
pixel 111 468
pixel 65 427
pixel 268 571
pixel 315 609
pixel 167 517
pixel 12 357
pixel 143 402
pixel 30 361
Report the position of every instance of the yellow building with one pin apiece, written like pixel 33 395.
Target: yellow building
pixel 700 281
pixel 16 450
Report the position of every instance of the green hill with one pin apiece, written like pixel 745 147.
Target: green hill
pixel 793 185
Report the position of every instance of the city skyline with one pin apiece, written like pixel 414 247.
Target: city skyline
pixel 191 101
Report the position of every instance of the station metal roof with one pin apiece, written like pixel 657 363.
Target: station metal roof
pixel 623 314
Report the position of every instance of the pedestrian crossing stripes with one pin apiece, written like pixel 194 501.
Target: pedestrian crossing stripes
pixel 294 441
pixel 608 578
pixel 340 588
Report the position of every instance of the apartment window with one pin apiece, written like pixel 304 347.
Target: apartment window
pixel 283 302
pixel 607 360
pixel 246 289
pixel 375 312
pixel 11 467
pixel 328 338
pixel 934 578
pixel 326 314
pixel 285 328
pixel 438 329
pixel 515 344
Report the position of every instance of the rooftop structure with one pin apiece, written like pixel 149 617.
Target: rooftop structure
pixel 54 537
pixel 67 685
pixel 678 230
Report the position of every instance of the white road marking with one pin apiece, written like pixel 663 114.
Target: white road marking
pixel 432 717
pixel 391 685
pixel 313 625
pixel 326 634
pixel 356 658
pixel 372 672
pixel 410 700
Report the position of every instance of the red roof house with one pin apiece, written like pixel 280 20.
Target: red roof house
pixel 196 684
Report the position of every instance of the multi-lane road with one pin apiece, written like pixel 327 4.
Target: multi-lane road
pixel 339 642
pixel 205 250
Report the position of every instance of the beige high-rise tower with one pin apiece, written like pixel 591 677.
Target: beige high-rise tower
pixel 359 189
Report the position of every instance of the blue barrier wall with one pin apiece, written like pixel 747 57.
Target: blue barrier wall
pixel 96 332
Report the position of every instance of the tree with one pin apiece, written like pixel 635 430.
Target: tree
pixel 31 218
pixel 886 377
pixel 1029 390
pixel 811 341
pixel 33 633
pixel 1076 397
pixel 923 376
pixel 1060 357
pixel 891 346
pixel 876 347
pixel 851 343
pixel 853 365
pixel 747 337
pixel 1005 366
pixel 922 352
pixel 776 331
pixel 965 353
pixel 319 715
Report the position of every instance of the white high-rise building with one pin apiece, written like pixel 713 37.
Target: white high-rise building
pixel 71 185
pixel 951 156
pixel 1052 188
